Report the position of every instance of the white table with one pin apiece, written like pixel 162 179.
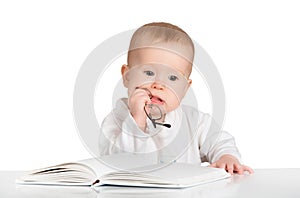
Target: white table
pixel 263 183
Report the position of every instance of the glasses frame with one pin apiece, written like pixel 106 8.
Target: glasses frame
pixel 152 119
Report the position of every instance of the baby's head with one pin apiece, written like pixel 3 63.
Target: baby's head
pixel 160 59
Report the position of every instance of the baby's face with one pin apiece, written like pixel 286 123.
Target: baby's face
pixel 165 74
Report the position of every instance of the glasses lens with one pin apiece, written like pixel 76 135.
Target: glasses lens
pixel 154 111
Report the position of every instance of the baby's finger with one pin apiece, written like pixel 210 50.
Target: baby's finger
pixel 140 94
pixel 248 169
pixel 143 90
pixel 238 169
pixel 229 168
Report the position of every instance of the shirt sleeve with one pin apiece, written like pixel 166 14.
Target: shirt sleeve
pixel 214 142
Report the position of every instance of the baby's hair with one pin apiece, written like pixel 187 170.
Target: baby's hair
pixel 156 33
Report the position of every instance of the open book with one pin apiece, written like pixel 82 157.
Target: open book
pixel 91 172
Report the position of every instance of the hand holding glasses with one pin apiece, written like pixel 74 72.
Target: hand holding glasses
pixel 153 111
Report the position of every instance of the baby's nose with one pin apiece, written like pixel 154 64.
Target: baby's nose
pixel 158 86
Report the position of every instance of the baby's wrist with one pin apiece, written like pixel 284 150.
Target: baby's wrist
pixel 141 122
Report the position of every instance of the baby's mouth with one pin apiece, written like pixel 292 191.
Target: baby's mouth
pixel 157 100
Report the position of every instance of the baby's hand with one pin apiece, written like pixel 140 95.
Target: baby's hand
pixel 136 103
pixel 231 165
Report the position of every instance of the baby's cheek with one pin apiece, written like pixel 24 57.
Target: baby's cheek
pixel 173 104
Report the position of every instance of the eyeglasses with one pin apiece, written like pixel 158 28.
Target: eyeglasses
pixel 153 111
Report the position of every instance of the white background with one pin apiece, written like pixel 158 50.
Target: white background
pixel 254 44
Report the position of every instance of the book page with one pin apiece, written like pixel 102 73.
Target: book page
pixel 175 175
pixel 62 174
pixel 83 172
pixel 118 162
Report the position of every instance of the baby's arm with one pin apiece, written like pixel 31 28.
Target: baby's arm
pixel 221 151
pixel 119 133
pixel 136 103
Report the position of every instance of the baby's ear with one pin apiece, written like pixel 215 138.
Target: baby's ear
pixel 124 70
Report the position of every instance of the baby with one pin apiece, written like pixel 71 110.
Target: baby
pixel 152 119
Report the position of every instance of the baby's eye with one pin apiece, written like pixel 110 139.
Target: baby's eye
pixel 149 73
pixel 173 78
